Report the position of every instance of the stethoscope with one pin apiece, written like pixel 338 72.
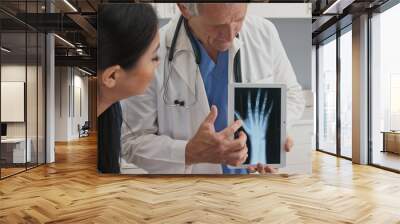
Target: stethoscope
pixel 196 51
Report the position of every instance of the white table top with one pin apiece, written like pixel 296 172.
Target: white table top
pixel 13 140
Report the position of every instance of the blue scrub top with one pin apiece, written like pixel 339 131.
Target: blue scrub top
pixel 215 78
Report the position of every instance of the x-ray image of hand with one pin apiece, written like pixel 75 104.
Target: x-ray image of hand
pixel 256 124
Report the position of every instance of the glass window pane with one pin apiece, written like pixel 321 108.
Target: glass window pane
pixel 23 82
pixel 41 98
pixel 327 96
pixel 386 89
pixel 31 97
pixel 346 94
pixel 13 86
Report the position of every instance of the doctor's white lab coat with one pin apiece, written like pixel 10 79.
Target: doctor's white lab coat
pixel 155 134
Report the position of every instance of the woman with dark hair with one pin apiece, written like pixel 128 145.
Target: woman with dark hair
pixel 128 42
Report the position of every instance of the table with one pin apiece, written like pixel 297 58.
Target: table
pixel 13 150
pixel 391 141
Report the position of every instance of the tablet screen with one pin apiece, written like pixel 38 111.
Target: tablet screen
pixel 261 112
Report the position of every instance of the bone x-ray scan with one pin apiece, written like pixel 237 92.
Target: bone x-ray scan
pixel 262 111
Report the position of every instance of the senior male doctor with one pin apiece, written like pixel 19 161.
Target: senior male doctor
pixel 179 126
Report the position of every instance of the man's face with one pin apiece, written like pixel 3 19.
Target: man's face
pixel 218 24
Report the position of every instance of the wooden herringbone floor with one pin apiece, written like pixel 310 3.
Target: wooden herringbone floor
pixel 71 191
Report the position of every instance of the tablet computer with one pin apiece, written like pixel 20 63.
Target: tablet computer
pixel 262 109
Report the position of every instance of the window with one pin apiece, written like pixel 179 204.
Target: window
pixel 385 89
pixel 346 93
pixel 22 66
pixel 330 134
pixel 327 96
pixel 394 101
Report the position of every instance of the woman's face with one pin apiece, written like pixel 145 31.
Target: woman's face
pixel 137 79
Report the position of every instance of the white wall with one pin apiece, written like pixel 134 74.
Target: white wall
pixel 280 10
pixel 70 83
pixel 80 83
pixel 61 104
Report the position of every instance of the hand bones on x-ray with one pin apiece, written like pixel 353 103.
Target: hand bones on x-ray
pixel 256 124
